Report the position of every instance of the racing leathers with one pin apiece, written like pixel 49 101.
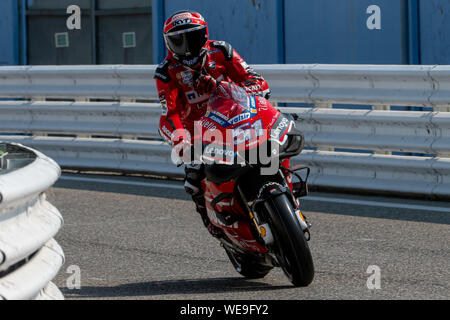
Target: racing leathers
pixel 183 102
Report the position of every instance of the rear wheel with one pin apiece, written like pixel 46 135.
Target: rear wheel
pixel 247 265
pixel 290 245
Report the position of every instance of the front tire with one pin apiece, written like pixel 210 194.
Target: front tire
pixel 291 246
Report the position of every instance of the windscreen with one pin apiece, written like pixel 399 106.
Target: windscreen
pixel 229 101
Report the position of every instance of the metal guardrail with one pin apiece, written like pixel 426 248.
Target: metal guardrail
pixel 384 85
pixel 121 155
pixel 115 135
pixel 383 131
pixel 106 81
pixel 81 118
pixel 412 131
pixel 411 85
pixel 29 256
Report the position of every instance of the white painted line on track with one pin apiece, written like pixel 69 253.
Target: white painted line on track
pixel 124 182
pixel 378 204
pixel 171 185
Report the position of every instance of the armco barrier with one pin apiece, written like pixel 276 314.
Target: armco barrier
pixel 29 256
pixel 109 82
pixel 122 135
pixel 121 155
pixel 411 85
pixel 401 131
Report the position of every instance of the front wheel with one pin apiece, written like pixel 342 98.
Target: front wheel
pixel 291 247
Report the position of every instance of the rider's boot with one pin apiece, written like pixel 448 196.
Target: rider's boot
pixel 192 185
pixel 199 201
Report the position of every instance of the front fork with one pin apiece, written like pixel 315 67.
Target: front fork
pixel 261 231
pixel 286 175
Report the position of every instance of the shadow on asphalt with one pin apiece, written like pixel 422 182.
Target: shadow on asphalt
pixel 171 287
pixel 179 194
pixel 412 215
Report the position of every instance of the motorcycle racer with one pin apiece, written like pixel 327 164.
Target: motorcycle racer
pixel 191 71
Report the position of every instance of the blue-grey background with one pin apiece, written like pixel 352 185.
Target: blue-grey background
pixel 262 31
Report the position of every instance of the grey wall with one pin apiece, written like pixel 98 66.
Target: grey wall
pixel 100 39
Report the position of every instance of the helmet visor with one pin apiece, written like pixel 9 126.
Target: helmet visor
pixel 187 43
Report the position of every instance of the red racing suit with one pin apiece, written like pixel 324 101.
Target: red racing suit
pixel 182 105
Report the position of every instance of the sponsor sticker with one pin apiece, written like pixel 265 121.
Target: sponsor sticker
pixel 280 127
pixel 239 118
pixel 216 118
pixel 218 153
pixel 247 132
pixel 181 15
pixel 162 100
pixel 212 64
pixel 164 108
pixel 181 21
pixel 185 77
pixel 193 97
pixel 167 131
pixel 253 105
pixel 175 66
pixel 208 125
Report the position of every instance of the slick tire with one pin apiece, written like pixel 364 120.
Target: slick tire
pixel 291 246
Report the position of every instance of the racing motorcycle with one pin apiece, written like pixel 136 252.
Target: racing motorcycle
pixel 251 192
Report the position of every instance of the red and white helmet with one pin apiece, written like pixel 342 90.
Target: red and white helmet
pixel 186 35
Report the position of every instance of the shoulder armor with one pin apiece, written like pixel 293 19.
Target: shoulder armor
pixel 225 47
pixel 162 72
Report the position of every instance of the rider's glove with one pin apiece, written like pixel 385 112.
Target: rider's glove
pixel 181 150
pixel 205 84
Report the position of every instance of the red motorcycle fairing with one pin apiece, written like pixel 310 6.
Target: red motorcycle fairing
pixel 233 124
pixel 236 121
pixel 239 232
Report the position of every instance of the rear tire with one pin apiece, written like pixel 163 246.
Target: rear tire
pixel 291 246
pixel 247 266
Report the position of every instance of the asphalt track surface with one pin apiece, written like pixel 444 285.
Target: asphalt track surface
pixel 137 238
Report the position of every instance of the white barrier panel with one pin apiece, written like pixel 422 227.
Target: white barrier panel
pixel 29 257
pixel 359 84
pixel 378 173
pixel 32 279
pixel 153 157
pixel 345 171
pixel 106 81
pixel 410 85
pixel 81 118
pixel 127 124
pixel 401 131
